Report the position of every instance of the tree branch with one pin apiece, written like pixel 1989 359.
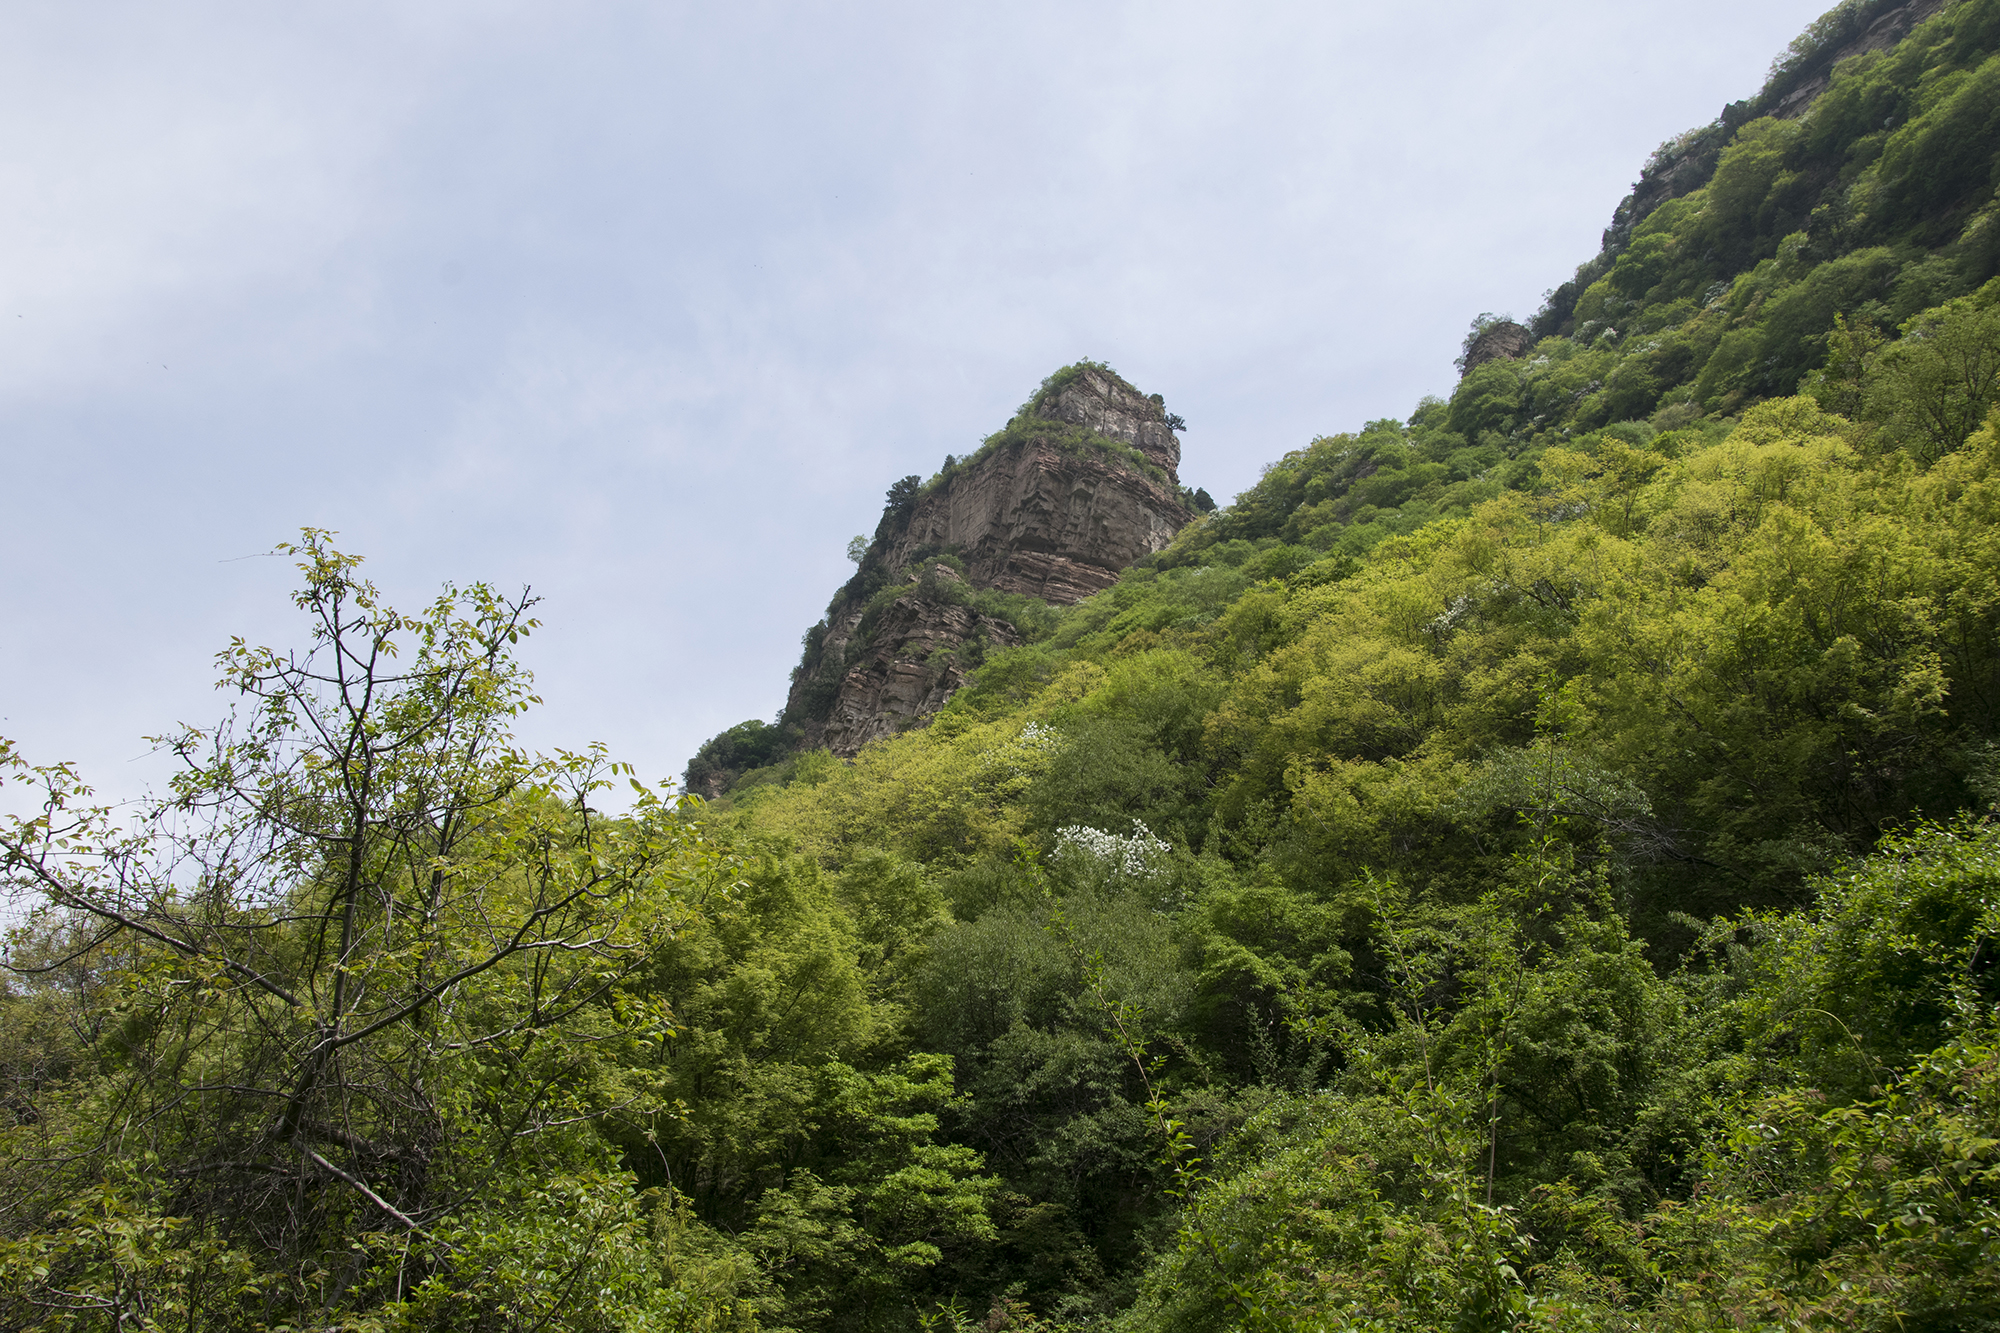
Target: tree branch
pixel 361 1188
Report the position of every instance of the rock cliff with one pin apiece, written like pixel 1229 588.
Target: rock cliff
pixel 1083 482
pixel 905 666
pixel 1502 340
pixel 1050 515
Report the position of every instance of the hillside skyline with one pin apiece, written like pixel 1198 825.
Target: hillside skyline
pixel 645 312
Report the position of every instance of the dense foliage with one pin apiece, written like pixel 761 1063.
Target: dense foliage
pixel 1530 865
pixel 330 1033
pixel 1468 903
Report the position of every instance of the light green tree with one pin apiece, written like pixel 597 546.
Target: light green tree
pixel 350 992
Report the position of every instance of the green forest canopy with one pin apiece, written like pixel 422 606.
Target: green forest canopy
pixel 1526 865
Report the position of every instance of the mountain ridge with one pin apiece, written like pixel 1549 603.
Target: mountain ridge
pixel 1081 483
pixel 1529 865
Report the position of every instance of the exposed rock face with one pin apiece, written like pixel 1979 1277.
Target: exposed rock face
pixel 1031 518
pixel 1503 341
pixel 1053 511
pixel 911 664
pixel 1106 404
pixel 1880 35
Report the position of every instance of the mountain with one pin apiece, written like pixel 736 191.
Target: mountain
pixel 1526 861
pixel 1531 864
pixel 1850 196
pixel 1080 484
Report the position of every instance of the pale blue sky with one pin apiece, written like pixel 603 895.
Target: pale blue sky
pixel 646 304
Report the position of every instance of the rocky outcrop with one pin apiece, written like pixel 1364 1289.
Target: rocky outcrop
pixel 1502 340
pixel 742 749
pixel 1047 515
pixel 1880 33
pixel 1098 400
pixel 913 659
pixel 1038 519
pixel 1083 482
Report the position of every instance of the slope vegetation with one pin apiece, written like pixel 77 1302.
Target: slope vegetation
pixel 1526 865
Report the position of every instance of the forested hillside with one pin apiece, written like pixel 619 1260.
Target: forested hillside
pixel 1527 865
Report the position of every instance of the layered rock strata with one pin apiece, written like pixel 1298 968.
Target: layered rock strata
pixel 1079 487
pixel 1099 400
pixel 1058 523
pixel 914 660
pixel 1034 519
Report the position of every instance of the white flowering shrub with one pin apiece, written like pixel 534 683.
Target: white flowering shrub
pixel 1015 762
pixel 1035 736
pixel 1138 855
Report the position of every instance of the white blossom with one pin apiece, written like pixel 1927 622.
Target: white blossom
pixel 1038 737
pixel 1133 856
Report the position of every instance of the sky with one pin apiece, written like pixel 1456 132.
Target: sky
pixel 644 305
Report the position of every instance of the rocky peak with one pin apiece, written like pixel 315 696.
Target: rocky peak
pixel 1097 399
pixel 1501 340
pixel 1082 483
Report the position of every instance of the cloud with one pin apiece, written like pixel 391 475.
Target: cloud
pixel 645 304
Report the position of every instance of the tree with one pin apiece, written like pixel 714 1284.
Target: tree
pixel 903 495
pixel 729 755
pixel 1934 386
pixel 1840 386
pixel 363 964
